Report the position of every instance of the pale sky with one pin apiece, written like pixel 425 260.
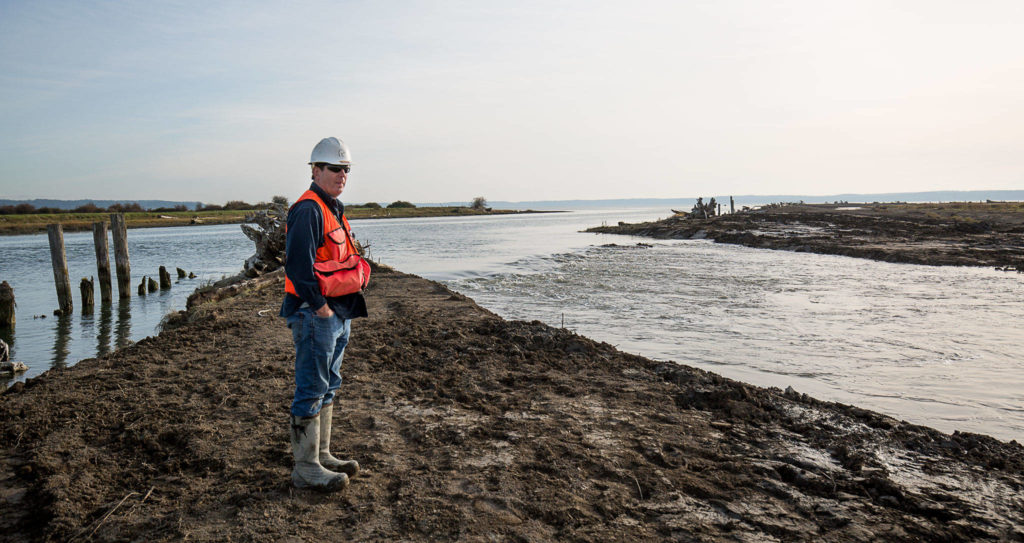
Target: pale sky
pixel 445 101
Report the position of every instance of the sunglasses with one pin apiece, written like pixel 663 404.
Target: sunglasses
pixel 336 169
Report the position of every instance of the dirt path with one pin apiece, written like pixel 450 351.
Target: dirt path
pixel 470 428
pixel 967 234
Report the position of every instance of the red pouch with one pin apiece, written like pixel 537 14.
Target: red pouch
pixel 344 277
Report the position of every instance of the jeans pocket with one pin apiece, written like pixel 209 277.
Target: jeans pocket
pixel 325 332
pixel 294 319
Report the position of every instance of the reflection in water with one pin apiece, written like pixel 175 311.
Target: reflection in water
pixel 87 325
pixel 61 340
pixel 103 337
pixel 124 322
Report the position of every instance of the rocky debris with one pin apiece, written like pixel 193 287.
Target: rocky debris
pixel 469 427
pixel 9 368
pixel 640 245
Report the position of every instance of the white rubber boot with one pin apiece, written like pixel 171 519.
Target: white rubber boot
pixel 308 472
pixel 327 460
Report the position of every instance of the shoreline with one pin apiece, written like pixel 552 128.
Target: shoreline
pixel 151 219
pixel 954 234
pixel 470 426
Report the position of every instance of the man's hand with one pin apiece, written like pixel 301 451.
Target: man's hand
pixel 324 312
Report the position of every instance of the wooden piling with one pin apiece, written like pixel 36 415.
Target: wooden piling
pixel 165 278
pixel 119 229
pixel 60 267
pixel 99 238
pixel 153 285
pixel 181 273
pixel 7 305
pixel 86 286
pixel 732 205
pixel 142 286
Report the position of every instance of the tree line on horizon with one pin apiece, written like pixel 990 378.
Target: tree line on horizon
pixel 233 205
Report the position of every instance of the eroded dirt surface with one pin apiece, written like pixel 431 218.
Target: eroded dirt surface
pixel 470 428
pixel 951 234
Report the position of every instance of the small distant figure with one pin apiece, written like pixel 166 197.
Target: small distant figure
pixel 702 210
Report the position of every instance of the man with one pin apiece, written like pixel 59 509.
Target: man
pixel 317 231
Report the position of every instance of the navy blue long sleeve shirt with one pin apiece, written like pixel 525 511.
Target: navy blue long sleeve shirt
pixel 305 235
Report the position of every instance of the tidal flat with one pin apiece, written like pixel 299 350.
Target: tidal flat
pixel 956 233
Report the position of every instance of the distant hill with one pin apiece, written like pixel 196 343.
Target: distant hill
pixel 748 199
pixel 72 204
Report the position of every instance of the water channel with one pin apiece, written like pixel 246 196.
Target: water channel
pixel 933 345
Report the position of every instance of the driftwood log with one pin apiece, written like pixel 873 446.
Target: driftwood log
pixel 267 232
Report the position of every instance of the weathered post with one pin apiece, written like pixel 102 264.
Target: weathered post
pixel 142 286
pixel 152 285
pixel 60 267
pixel 181 273
pixel 732 206
pixel 99 238
pixel 86 286
pixel 165 278
pixel 124 269
pixel 7 305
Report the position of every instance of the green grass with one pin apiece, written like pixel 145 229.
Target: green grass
pixel 36 222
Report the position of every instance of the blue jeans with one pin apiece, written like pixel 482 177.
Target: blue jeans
pixel 319 346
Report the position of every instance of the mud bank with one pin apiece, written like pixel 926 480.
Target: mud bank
pixel 968 234
pixel 470 428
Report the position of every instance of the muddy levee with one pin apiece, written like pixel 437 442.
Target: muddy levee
pixel 471 428
pixel 964 234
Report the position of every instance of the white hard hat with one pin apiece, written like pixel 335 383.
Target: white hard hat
pixel 330 151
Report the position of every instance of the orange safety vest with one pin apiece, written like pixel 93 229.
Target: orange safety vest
pixel 338 247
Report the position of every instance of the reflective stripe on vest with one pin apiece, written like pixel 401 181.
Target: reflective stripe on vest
pixel 338 243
